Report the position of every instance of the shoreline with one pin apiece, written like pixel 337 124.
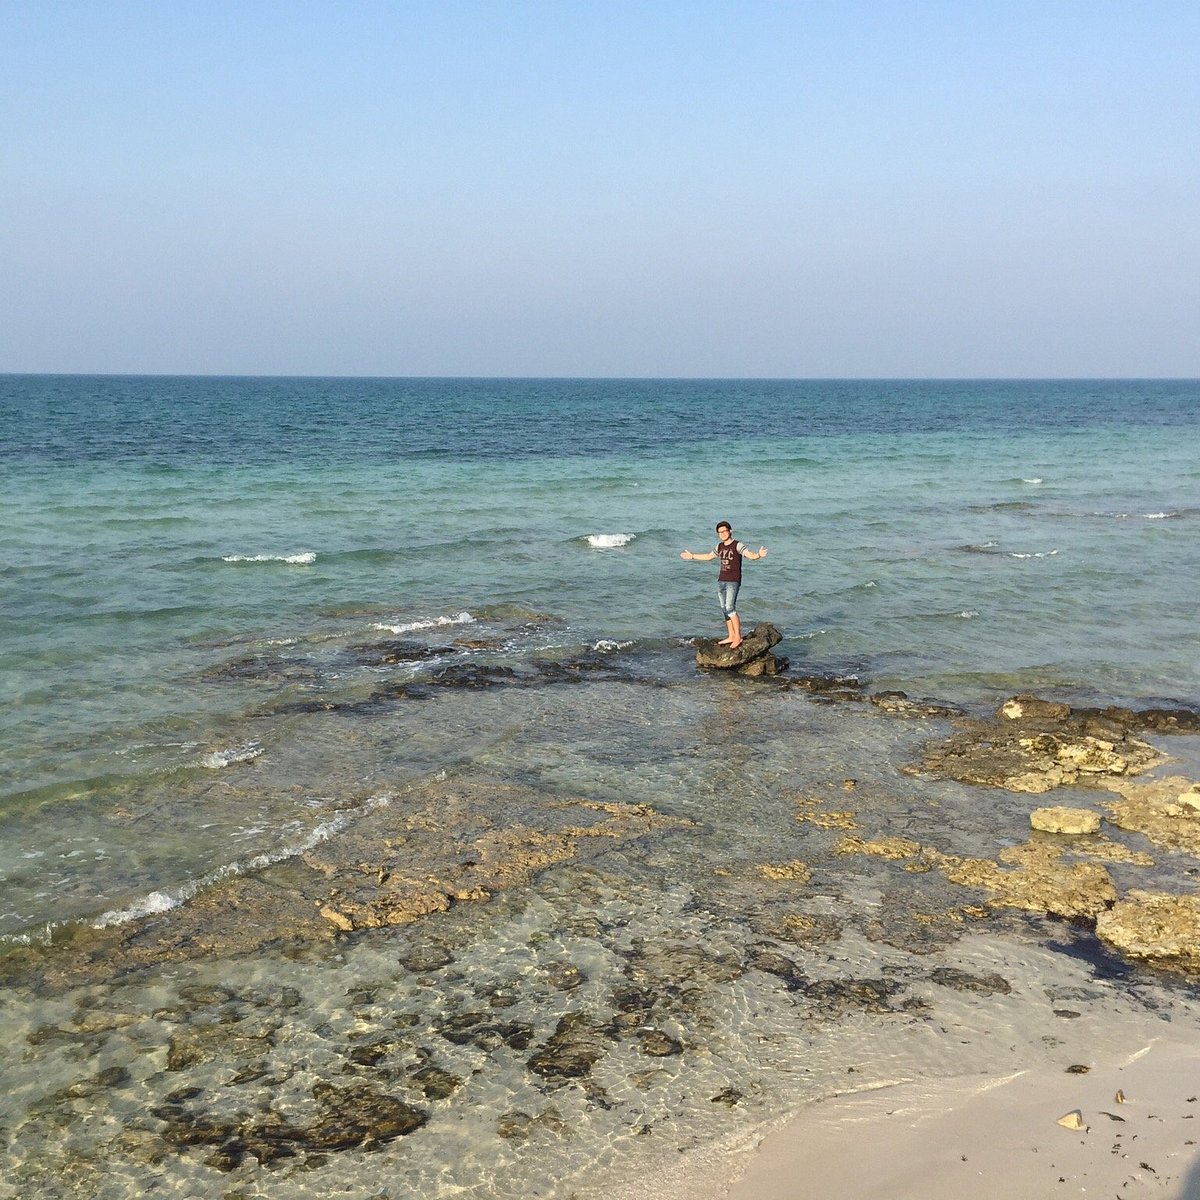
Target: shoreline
pixel 996 1136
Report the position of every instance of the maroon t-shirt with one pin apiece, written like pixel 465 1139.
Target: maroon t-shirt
pixel 730 555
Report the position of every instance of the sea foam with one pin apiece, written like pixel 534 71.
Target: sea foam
pixel 462 618
pixel 303 559
pixel 217 759
pixel 160 902
pixel 609 541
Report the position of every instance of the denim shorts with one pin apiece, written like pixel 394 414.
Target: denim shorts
pixel 727 591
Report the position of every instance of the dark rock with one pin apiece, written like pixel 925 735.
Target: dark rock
pixel 517 1125
pixel 473 675
pixel 800 929
pixel 435 1083
pixel 388 653
pixel 482 1030
pixel 776 964
pixel 1168 720
pixel 756 645
pixel 836 997
pixel 728 1096
pixel 576 1045
pixel 840 687
pixel 352 1117
pixel 202 995
pixel 657 1044
pixel 564 976
pixel 900 704
pixel 371 1053
pixel 1030 708
pixel 961 981
pixel 264 667
pixel 427 957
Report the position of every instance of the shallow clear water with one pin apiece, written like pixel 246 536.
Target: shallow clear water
pixel 225 603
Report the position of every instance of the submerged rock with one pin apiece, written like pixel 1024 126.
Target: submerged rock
pixel 752 657
pixel 963 981
pixel 576 1045
pixel 900 704
pixel 349 1118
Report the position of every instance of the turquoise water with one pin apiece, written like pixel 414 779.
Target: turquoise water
pixel 964 540
pixel 241 616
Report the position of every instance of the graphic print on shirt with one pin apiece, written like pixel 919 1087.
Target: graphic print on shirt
pixel 730 555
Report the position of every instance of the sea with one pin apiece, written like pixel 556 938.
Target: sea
pixel 240 615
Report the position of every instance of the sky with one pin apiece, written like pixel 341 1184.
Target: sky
pixel 825 189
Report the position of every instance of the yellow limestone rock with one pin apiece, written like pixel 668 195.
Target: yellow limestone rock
pixel 1072 1120
pixel 1155 925
pixel 795 870
pixel 1065 820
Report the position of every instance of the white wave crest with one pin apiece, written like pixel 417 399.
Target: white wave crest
pixel 1033 480
pixel 609 644
pixel 217 759
pixel 302 559
pixel 159 902
pixel 1038 554
pixel 609 541
pixel 1159 516
pixel 462 618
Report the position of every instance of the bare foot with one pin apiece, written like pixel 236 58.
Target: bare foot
pixel 724 641
pixel 735 645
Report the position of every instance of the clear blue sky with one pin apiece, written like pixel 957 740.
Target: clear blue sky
pixel 964 188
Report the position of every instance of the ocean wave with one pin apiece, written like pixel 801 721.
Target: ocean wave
pixel 160 901
pixel 1033 554
pixel 609 541
pixel 1174 514
pixel 609 644
pixel 217 759
pixel 1034 480
pixel 462 618
pixel 303 559
pixel 1004 506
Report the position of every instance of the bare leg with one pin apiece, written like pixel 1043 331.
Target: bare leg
pixel 729 633
pixel 735 631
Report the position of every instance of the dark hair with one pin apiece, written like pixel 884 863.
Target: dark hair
pixel 724 525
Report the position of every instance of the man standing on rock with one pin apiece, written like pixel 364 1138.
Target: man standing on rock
pixel 729 579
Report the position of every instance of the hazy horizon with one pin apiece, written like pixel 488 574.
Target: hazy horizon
pixel 684 191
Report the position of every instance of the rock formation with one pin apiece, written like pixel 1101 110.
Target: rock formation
pixel 752 657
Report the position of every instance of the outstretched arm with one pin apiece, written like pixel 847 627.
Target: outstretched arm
pixel 762 553
pixel 708 557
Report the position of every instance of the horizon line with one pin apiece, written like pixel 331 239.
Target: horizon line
pixel 614 378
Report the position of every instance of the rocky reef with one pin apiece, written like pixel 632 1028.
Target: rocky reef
pixel 1031 745
pixel 1035 745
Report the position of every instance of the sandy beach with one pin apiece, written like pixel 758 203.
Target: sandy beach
pixel 1004 1137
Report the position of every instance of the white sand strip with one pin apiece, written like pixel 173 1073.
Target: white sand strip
pixel 976 1138
pixel 996 1138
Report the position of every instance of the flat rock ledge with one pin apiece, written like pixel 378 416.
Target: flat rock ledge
pixel 752 657
pixel 1035 745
